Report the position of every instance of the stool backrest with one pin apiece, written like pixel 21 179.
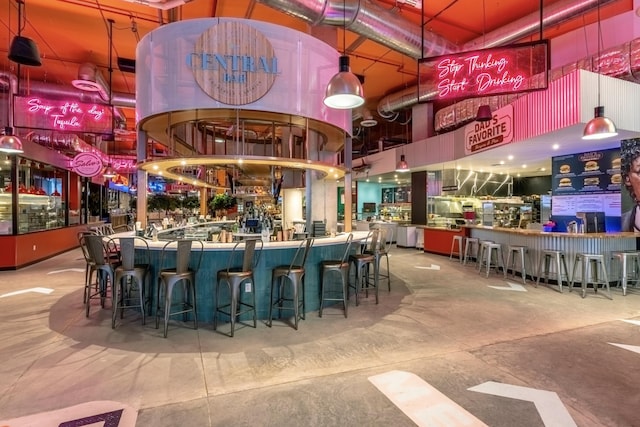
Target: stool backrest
pixel 128 251
pixel 82 241
pixel 372 242
pixel 386 239
pixel 180 251
pixel 347 248
pixel 300 257
pixel 96 249
pixel 250 250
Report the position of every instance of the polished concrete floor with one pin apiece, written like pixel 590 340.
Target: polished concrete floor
pixel 445 347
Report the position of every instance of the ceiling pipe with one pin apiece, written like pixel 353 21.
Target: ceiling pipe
pixel 391 30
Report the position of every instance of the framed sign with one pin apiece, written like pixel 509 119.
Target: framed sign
pixel 501 70
pixel 87 164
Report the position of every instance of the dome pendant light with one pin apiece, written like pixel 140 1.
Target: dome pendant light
pixel 23 50
pixel 402 166
pixel 344 90
pixel 484 113
pixel 9 143
pixel 599 127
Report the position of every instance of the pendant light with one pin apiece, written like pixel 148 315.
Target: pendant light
pixel 344 90
pixel 23 50
pixel 484 113
pixel 599 127
pixel 402 165
pixel 9 143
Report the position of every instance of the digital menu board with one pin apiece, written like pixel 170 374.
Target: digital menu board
pixel 587 173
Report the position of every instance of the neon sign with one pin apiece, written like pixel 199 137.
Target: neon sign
pixel 495 71
pixel 66 116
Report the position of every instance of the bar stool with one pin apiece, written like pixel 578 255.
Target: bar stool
pixel 103 266
pixel 130 276
pixel 560 262
pixel 482 244
pixel 90 264
pixel 590 263
pixel 515 253
pixel 175 269
pixel 369 256
pixel 471 249
pixel 293 274
pixel 385 244
pixel 489 249
pixel 233 277
pixel 340 266
pixel 630 265
pixel 459 240
pixel 419 238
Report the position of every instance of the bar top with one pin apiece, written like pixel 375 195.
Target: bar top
pixel 626 234
pixel 216 246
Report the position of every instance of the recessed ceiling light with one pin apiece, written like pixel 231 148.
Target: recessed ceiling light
pixel 155 167
pixel 458 167
pixel 183 162
pixel 367 179
pixel 518 175
pixel 502 162
pixel 524 166
pixel 555 146
pixel 510 157
pixel 543 169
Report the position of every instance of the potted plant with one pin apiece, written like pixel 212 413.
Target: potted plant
pixel 221 202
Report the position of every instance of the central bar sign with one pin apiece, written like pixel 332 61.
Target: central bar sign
pixel 517 68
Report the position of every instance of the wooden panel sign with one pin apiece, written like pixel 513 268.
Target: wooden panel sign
pixel 234 63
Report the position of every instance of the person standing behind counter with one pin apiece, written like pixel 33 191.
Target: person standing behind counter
pixel 630 170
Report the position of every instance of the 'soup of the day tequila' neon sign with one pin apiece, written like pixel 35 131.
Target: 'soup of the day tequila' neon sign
pixel 517 68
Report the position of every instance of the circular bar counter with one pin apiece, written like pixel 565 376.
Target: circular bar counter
pixel 215 257
pixel 570 243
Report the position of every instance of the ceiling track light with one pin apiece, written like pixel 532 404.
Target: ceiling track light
pixel 599 127
pixel 344 90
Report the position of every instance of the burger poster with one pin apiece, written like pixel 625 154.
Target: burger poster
pixel 587 182
pixel 587 173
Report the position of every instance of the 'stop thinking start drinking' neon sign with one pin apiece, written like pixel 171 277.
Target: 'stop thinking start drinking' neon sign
pixel 517 68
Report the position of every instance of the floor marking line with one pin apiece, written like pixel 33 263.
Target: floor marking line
pixel 633 322
pixel 26 291
pixel 431 267
pixel 423 403
pixel 633 348
pixel 548 403
pixel 511 287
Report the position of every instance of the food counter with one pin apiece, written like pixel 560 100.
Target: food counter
pixel 438 240
pixel 570 243
pixel 274 253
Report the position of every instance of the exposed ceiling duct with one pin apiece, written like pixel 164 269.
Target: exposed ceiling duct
pixel 389 29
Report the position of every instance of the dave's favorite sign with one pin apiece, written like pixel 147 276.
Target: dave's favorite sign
pixel 233 63
pixel 480 136
pixel 87 164
pixel 516 68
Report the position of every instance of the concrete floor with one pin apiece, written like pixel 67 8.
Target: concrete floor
pixel 411 360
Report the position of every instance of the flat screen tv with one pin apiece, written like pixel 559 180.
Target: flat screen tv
pixel 368 207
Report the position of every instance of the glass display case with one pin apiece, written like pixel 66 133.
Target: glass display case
pixel 40 204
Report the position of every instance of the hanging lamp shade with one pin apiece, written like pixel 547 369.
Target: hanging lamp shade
pixel 344 90
pixel 599 127
pixel 24 51
pixel 484 113
pixel 9 143
pixel 402 166
pixel 109 172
